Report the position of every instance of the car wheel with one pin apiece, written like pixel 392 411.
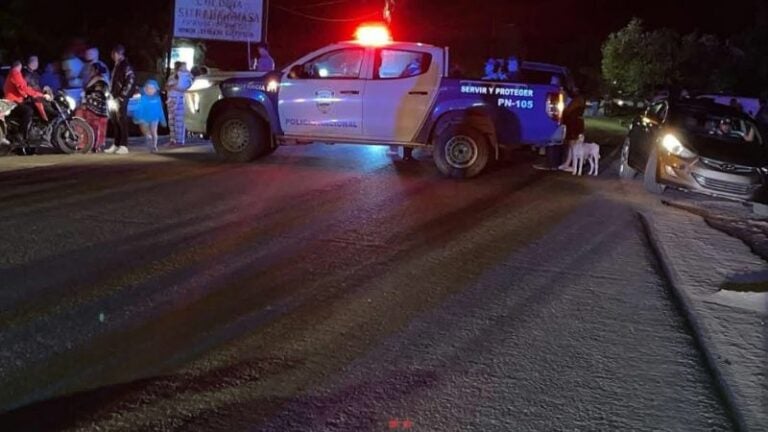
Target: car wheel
pixel 240 136
pixel 461 151
pixel 651 171
pixel 626 172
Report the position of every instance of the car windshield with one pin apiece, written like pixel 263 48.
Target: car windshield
pixel 724 127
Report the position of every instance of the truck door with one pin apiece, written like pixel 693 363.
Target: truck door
pixel 324 96
pixel 398 98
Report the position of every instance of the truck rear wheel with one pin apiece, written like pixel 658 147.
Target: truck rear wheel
pixel 461 151
pixel 240 136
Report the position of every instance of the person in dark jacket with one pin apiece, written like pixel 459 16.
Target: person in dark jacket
pixel 123 86
pixel 30 73
pixel 95 107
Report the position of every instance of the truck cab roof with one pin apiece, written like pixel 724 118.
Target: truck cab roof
pixel 392 45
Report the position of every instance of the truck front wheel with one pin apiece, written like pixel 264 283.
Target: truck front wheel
pixel 461 151
pixel 240 136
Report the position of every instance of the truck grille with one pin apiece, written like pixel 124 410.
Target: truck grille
pixel 724 186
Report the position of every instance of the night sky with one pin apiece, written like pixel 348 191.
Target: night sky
pixel 564 31
pixel 567 31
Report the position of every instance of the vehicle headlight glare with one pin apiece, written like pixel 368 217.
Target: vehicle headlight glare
pixel 71 102
pixel 201 84
pixel 673 145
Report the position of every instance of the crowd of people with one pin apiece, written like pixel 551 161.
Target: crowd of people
pixel 105 97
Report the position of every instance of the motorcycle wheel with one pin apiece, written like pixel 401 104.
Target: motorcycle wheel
pixel 4 148
pixel 80 142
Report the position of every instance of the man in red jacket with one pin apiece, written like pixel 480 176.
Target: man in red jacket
pixel 17 91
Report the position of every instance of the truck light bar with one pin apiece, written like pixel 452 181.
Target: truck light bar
pixel 373 35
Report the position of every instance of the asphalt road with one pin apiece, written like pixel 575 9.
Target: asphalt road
pixel 328 288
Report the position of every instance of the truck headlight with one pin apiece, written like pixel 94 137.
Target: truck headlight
pixel 201 84
pixel 673 145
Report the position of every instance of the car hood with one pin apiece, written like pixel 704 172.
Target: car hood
pixel 739 153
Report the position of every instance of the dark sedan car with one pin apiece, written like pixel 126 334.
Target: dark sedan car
pixel 697 146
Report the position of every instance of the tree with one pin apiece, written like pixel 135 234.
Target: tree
pixel 635 61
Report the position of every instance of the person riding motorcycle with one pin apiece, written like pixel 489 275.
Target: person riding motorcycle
pixel 26 98
pixel 30 73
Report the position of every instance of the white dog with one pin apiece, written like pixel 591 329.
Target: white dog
pixel 586 151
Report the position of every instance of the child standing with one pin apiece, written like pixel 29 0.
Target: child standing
pixel 95 109
pixel 149 113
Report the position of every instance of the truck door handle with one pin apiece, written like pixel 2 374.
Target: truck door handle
pixel 418 93
pixel 350 92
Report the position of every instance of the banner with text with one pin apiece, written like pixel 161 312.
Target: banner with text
pixel 226 20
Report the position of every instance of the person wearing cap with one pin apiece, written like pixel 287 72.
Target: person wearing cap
pixel 725 129
pixel 95 108
pixel 263 62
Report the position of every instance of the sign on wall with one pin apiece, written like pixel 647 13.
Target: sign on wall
pixel 226 20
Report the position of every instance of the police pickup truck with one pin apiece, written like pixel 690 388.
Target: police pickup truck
pixel 387 93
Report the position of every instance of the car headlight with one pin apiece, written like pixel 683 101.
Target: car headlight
pixel 673 145
pixel 201 84
pixel 71 102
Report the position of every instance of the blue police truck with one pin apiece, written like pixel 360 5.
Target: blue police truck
pixel 375 93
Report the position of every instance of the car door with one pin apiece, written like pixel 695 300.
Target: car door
pixel 323 97
pixel 644 132
pixel 398 98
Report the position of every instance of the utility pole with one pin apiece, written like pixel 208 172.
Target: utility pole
pixel 172 8
pixel 389 7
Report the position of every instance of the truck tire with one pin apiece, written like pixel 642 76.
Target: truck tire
pixel 240 136
pixel 461 152
pixel 649 177
pixel 626 172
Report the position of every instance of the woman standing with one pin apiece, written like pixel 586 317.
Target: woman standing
pixel 95 109
pixel 178 83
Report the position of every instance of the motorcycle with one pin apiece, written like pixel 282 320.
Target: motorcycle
pixel 5 110
pixel 63 131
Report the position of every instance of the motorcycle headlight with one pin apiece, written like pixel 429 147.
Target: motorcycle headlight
pixel 673 145
pixel 71 102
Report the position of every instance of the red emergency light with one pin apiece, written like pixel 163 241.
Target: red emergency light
pixel 373 34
